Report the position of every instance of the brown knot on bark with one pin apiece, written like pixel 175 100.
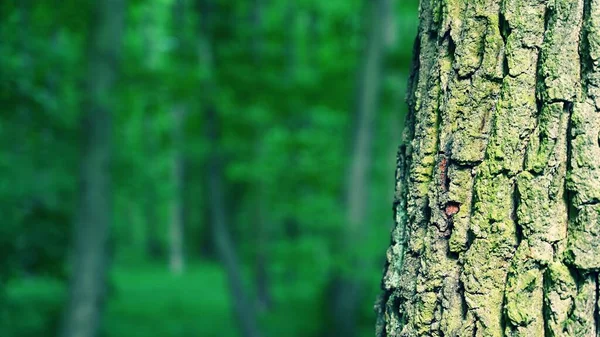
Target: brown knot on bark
pixel 452 208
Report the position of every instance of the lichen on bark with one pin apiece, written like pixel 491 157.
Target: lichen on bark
pixel 497 202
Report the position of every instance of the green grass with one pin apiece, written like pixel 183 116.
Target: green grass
pixel 144 301
pixel 150 302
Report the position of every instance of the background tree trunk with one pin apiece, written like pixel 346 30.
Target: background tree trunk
pixel 243 307
pixel 153 248
pixel 179 114
pixel 244 310
pixel 87 288
pixel 498 181
pixel 263 295
pixel 176 225
pixel 347 293
pixel 261 216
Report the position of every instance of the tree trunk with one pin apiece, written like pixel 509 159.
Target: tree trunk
pixel 498 182
pixel 347 292
pixel 244 310
pixel 176 225
pixel 87 284
pixel 179 113
pixel 217 206
pixel 263 295
pixel 153 247
pixel 261 217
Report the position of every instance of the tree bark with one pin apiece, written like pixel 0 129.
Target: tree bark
pixel 497 204
pixel 87 284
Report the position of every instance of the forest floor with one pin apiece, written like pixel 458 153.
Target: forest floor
pixel 148 301
pixel 144 302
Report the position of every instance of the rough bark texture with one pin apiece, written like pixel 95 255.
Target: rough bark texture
pixel 497 203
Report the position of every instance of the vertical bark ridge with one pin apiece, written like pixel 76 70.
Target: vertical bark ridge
pixel 584 173
pixel 542 209
pixel 420 148
pixel 583 180
pixel 387 306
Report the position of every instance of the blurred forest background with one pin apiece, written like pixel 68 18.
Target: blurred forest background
pixel 198 167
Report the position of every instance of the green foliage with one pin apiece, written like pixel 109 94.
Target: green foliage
pixel 32 307
pixel 283 88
